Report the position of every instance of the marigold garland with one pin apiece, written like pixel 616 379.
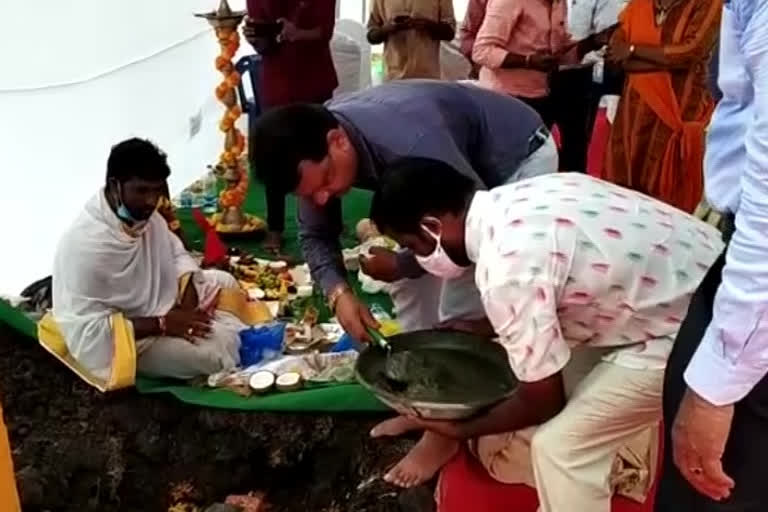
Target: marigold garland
pixel 234 145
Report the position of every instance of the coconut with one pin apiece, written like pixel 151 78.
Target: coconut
pixel 262 381
pixel 290 381
pixel 256 293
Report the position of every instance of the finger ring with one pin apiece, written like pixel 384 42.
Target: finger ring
pixel 696 471
pixel 190 331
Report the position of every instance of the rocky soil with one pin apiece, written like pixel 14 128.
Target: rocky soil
pixel 77 450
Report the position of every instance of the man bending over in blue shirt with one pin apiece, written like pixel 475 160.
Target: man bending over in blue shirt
pixel 320 152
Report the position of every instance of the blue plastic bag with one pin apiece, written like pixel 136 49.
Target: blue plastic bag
pixel 261 343
pixel 346 342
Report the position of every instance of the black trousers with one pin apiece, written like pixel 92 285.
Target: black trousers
pixel 746 453
pixel 575 99
pixel 275 211
pixel 543 107
pixel 572 106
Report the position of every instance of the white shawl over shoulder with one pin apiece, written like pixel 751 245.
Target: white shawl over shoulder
pixel 100 269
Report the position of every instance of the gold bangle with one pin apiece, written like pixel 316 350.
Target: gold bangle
pixel 335 293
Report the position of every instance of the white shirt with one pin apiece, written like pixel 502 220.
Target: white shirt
pixel 587 17
pixel 733 356
pixel 565 261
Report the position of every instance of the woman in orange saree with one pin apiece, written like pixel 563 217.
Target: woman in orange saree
pixel 657 141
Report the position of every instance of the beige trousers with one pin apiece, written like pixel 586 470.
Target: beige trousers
pixel 604 440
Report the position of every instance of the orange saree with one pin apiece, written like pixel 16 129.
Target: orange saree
pixel 657 141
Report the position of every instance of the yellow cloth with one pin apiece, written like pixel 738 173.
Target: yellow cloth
pixel 123 366
pixel 233 300
pixel 9 499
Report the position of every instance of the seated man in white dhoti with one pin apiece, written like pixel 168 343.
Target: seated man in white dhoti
pixel 122 279
pixel 564 263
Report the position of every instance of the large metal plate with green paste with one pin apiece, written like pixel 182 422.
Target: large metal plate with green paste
pixel 437 374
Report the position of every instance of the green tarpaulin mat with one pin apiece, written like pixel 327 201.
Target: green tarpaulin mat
pixel 317 398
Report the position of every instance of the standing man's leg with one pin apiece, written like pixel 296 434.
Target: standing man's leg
pixel 572 102
pixel 543 106
pixel 275 219
pixel 275 202
pixel 747 448
pixel 573 453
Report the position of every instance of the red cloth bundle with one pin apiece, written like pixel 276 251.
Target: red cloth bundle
pixel 214 251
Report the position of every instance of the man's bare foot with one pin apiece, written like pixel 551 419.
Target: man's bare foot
pixel 394 427
pixel 273 241
pixel 430 454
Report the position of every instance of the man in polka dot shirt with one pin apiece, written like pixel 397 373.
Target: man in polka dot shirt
pixel 564 263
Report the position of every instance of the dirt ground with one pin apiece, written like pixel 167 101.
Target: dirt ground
pixel 77 450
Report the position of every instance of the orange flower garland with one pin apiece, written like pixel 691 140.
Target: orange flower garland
pixel 229 42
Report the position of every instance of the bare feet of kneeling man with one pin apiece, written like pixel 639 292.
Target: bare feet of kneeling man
pixel 424 460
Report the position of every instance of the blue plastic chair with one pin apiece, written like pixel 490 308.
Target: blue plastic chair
pixel 250 65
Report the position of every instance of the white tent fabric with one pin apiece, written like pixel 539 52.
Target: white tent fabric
pixel 79 76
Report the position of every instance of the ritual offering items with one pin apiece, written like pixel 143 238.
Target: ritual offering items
pixel 250 224
pixel 303 337
pixel 365 230
pixel 235 382
pixel 290 381
pixel 438 374
pixel 317 368
pixel 275 281
pixel 261 343
pixel 262 382
pixel 312 368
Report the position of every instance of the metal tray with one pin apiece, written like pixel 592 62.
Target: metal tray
pixel 480 358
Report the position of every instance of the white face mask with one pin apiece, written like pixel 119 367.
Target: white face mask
pixel 439 263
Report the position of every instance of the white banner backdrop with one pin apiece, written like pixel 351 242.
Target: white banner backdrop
pixel 79 76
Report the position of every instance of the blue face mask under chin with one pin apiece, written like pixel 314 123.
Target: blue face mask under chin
pixel 123 213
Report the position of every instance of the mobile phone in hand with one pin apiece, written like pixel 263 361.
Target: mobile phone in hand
pixel 268 30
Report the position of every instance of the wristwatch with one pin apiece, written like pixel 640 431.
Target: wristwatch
pixel 336 292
